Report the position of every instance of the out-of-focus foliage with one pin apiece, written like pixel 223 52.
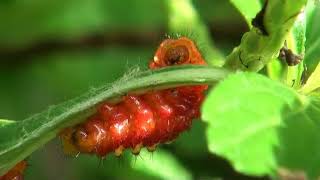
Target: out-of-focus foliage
pixel 25 22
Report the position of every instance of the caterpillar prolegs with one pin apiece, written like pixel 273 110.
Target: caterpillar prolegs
pixel 16 173
pixel 146 120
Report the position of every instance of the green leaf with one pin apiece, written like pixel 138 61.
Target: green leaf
pixel 299 139
pixel 184 20
pixel 5 122
pixel 296 42
pixel 258 49
pixel 313 82
pixel 198 148
pixel 19 140
pixel 248 8
pixel 275 70
pixel 312 56
pixel 260 126
pixel 153 164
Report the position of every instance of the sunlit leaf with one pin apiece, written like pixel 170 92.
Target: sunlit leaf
pixel 261 126
pixel 313 82
pixel 312 56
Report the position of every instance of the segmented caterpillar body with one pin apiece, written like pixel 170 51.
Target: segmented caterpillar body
pixel 16 173
pixel 146 120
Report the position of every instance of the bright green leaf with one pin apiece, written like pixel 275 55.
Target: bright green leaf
pixel 248 8
pixel 260 125
pixel 161 164
pixel 312 56
pixel 275 70
pixel 313 82
pixel 19 140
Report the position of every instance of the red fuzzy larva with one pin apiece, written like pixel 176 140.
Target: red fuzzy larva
pixel 16 173
pixel 146 120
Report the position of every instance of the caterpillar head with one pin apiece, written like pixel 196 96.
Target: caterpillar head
pixel 176 52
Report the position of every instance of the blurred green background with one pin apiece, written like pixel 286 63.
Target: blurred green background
pixel 54 50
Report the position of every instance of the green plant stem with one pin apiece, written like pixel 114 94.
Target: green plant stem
pixel 19 139
pixel 257 49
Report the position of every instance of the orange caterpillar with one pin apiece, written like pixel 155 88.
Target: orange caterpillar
pixel 16 173
pixel 146 120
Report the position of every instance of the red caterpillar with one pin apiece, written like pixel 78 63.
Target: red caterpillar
pixel 16 173
pixel 145 120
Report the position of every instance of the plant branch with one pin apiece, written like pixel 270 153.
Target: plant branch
pixel 257 48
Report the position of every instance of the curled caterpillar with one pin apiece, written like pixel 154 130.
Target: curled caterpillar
pixel 16 173
pixel 142 120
